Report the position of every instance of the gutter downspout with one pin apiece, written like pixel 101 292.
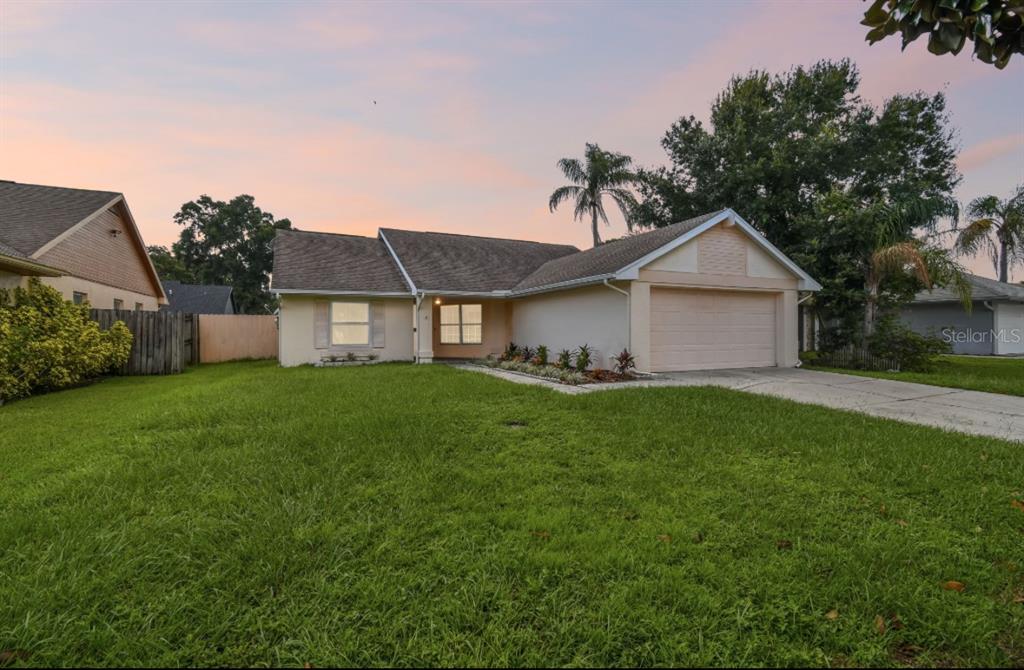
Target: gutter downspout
pixel 629 315
pixel 416 327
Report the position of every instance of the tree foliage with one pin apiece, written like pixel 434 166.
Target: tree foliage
pixel 812 166
pixel 48 343
pixel 995 227
pixel 995 27
pixel 225 243
pixel 168 266
pixel 601 173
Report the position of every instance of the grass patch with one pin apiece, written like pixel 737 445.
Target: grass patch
pixel 975 373
pixel 242 514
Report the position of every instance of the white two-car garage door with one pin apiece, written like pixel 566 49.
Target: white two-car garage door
pixel 706 330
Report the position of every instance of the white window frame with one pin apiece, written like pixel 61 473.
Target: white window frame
pixel 118 304
pixel 331 323
pixel 79 297
pixel 462 323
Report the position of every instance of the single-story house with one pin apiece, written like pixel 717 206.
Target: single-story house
pixel 993 326
pixel 83 243
pixel 199 298
pixel 710 292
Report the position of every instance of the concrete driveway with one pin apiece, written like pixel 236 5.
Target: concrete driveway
pixel 972 412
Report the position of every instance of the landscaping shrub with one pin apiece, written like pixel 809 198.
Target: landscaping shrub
pixel 542 355
pixel 566 376
pixel 564 359
pixel 911 351
pixel 49 343
pixel 624 362
pixel 511 351
pixel 583 356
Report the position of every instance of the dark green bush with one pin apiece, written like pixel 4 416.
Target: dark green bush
pixel 911 351
pixel 49 343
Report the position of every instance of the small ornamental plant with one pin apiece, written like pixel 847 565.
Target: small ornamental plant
pixel 542 355
pixel 583 356
pixel 564 360
pixel 624 362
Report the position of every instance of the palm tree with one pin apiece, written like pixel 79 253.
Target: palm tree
pixel 602 173
pixel 997 226
pixel 896 255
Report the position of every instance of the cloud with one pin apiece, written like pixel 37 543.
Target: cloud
pixel 984 152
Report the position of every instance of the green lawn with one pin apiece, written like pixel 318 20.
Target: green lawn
pixel 976 373
pixel 242 514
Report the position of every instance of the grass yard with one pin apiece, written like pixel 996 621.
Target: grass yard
pixel 242 514
pixel 976 373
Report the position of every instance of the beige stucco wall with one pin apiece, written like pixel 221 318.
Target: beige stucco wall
pixel 100 296
pixel 497 328
pixel 11 281
pixel 595 315
pixel 296 330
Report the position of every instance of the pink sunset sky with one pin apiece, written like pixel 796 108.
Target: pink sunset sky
pixel 347 117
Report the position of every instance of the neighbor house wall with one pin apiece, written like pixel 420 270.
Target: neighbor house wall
pixel 101 296
pixel 11 281
pixel 297 321
pixel 103 251
pixel 497 328
pixel 952 322
pixel 1009 324
pixel 596 316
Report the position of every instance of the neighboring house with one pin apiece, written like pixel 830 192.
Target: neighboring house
pixel 198 298
pixel 83 243
pixel 994 326
pixel 710 292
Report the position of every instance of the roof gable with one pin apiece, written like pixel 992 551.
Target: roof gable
pixel 33 216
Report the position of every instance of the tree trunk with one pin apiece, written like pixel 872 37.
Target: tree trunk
pixel 593 226
pixel 870 306
pixel 1004 260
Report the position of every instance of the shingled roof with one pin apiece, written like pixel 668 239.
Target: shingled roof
pixel 982 288
pixel 467 263
pixel 197 298
pixel 32 215
pixel 334 262
pixel 445 262
pixel 609 257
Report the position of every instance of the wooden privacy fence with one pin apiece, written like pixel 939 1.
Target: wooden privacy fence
pixel 162 342
pixel 231 337
pixel 166 342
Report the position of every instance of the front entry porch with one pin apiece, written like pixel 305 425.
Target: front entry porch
pixel 462 327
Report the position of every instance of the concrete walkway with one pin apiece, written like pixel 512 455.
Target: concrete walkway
pixel 973 412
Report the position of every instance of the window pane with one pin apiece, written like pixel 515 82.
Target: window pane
pixel 472 313
pixel 350 334
pixel 350 311
pixel 472 334
pixel 449 334
pixel 449 314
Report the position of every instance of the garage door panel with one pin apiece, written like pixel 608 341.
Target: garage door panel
pixel 701 329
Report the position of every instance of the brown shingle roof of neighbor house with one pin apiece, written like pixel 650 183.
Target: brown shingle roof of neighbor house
pixel 334 262
pixel 609 257
pixel 467 263
pixel 982 288
pixel 32 215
